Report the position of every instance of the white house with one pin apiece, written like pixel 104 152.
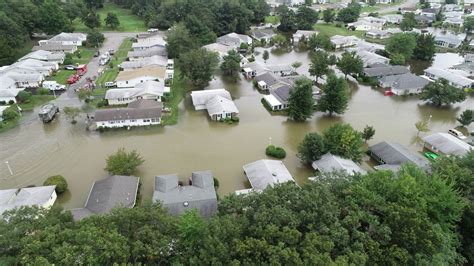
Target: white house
pixel 235 40
pixel 404 84
pixel 138 113
pixel 148 43
pixel 155 60
pixel 454 79
pixel 339 41
pixel 8 96
pixel 221 49
pixel 26 80
pixel 219 107
pixel 148 90
pixel 393 18
pixel 55 48
pixel 300 34
pixel 66 38
pixel 265 173
pixel 132 77
pixel 201 98
pixel 143 54
pixel 370 58
pixel 42 197
pixel 43 55
pixel 444 143
pixel 265 35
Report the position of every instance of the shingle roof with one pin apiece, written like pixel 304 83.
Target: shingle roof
pixel 447 144
pixel 157 50
pixel 393 153
pixel 264 173
pixel 54 47
pixel 219 105
pixel 263 33
pixel 149 42
pixel 107 194
pixel 29 196
pixel 201 195
pixel 405 81
pixel 67 36
pixel 200 98
pixel 149 71
pixel 151 111
pixel 450 76
pixel 381 71
pixel 282 93
pixel 331 163
pixel 148 87
pixel 155 60
pixel 269 78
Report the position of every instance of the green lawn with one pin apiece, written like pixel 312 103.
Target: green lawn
pixel 370 9
pixel 178 90
pixel 272 19
pixel 8 124
pixel 128 21
pixel 111 73
pixel 331 30
pixel 85 57
pixel 36 100
pixel 62 75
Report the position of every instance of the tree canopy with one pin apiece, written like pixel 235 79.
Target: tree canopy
pixel 335 96
pixel 350 63
pixel 425 47
pixel 230 65
pixel 198 66
pixel 319 65
pixel 123 162
pixel 341 139
pixel 301 102
pixel 401 44
pixel 441 92
pixel 350 13
pixel 306 17
pixel 112 20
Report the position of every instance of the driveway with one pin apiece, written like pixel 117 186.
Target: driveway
pixel 391 9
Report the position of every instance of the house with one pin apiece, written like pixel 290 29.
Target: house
pixel 47 56
pixel 393 18
pixel 200 98
pixel 148 90
pixel 468 58
pixel 149 43
pixel 253 69
pixel 266 80
pixel 467 67
pixel 332 163
pixel 8 96
pixel 370 58
pixel 56 48
pixel 264 35
pixel 41 197
pixel 234 40
pixel 452 8
pixel 137 113
pixel 391 155
pixel 107 194
pixel 281 70
pixel 221 49
pixel 444 143
pixel 302 34
pixel 404 10
pixel 178 199
pixel 363 25
pixel 26 80
pixel 264 173
pixel 429 12
pixel 339 42
pixel 132 77
pixel 454 79
pixel 153 61
pixel 381 34
pixel 385 70
pixel 143 54
pixel 454 21
pixel 448 40
pixel 424 20
pixel 404 84
pixel 219 108
pixel 7 83
pixel 65 38
pixel 278 97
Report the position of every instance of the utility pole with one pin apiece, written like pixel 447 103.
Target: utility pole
pixel 9 168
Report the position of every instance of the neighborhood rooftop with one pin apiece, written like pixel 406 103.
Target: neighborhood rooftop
pixel 264 173
pixel 333 163
pixel 393 153
pixel 30 196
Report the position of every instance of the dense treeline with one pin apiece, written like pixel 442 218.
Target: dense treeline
pixel 409 218
pixel 200 16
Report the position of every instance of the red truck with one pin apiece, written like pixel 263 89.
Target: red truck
pixel 81 70
pixel 73 79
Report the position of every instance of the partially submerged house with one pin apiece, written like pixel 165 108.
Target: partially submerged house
pixel 385 70
pixel 234 40
pixel 148 90
pixel 137 113
pixel 448 40
pixel 107 194
pixel 218 103
pixel 392 155
pixel 371 58
pixel 264 35
pixel 302 34
pixel 278 97
pixel 332 163
pixel 339 42
pixel 404 84
pixel 42 197
pixel 178 199
pixel 444 143
pixel 454 79
pixel 264 173
pixel 200 98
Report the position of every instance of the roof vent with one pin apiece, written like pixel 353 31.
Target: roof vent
pixel 185 204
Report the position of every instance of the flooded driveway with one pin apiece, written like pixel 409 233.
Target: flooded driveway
pixel 36 151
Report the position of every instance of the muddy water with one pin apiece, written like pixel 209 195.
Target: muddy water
pixel 35 151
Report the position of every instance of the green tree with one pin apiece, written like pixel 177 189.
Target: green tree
pixel 296 65
pixel 94 4
pixel 24 96
pixel 265 56
pixel 319 65
pixel 350 63
pixel 368 132
pixel 231 64
pixel 468 24
pixel 311 148
pixel 57 180
pixel 422 126
pixel 401 43
pixel 320 40
pixel 10 113
pixel 112 21
pixel 7 53
pixel 341 139
pixel 53 20
pixel 329 15
pixel 73 10
pixel 306 17
pixel 91 20
pixel 123 162
pixel 441 92
pixel 350 13
pixel 397 59
pixel 179 41
pixel 84 95
pixel 425 47
pixel 279 40
pixel 198 66
pixel 274 151
pixel 300 101
pixel 335 96
pixel 72 113
pixel 466 118
pixel 288 20
pixel 95 38
pixel 408 22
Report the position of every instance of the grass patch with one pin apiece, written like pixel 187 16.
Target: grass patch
pixel 85 57
pixel 111 73
pixel 272 19
pixel 331 30
pixel 8 124
pixel 370 9
pixel 128 21
pixel 178 90
pixel 36 100
pixel 61 76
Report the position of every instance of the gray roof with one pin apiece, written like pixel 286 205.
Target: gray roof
pixel 54 47
pixel 156 50
pixel 282 93
pixel 44 55
pixel 107 194
pixel 447 144
pixel 268 77
pixel 68 37
pixel 381 71
pixel 155 60
pixel 30 196
pixel 466 66
pixel 449 76
pixel 201 195
pixel 405 81
pixel 149 87
pixel 219 105
pixel 135 110
pixel 200 98
pixel 424 18
pixel 264 173
pixel 263 33
pixel 393 153
pixel 331 163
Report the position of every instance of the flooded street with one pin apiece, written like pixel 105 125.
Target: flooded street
pixel 35 151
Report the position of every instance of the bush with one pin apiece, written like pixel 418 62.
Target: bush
pixel 68 60
pixel 59 181
pixel 42 91
pixel 24 96
pixel 277 152
pixel 235 119
pixel 216 183
pixel 10 113
pixel 102 103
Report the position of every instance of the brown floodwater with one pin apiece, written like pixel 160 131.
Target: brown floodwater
pixel 35 151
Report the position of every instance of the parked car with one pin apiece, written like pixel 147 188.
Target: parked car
pixel 110 84
pixel 457 134
pixel 111 52
pixel 431 155
pixel 53 85
pixel 70 67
